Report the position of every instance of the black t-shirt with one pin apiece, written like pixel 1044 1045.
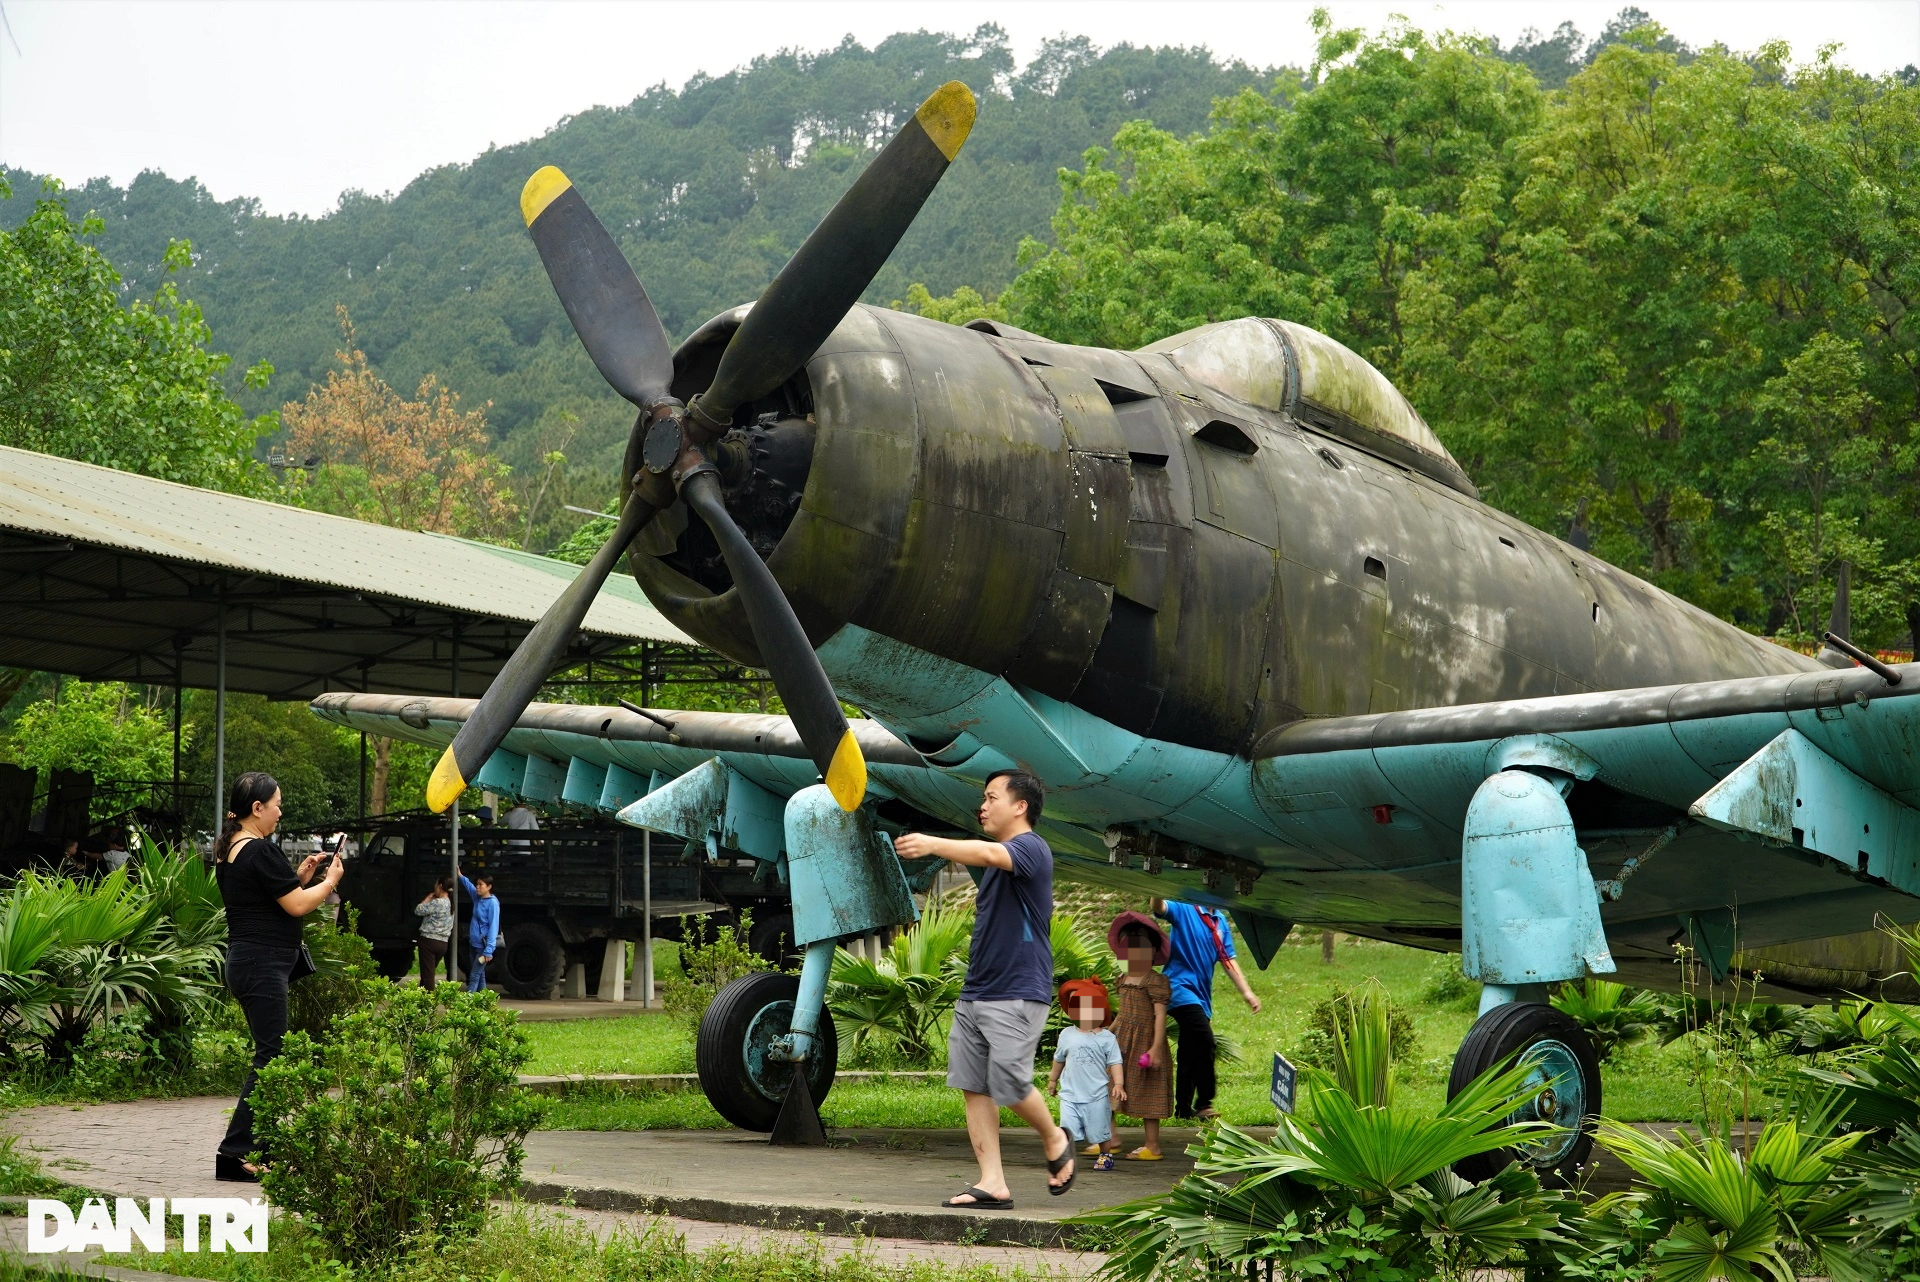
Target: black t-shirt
pixel 251 883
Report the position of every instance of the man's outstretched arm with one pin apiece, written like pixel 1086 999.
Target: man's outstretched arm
pixel 978 854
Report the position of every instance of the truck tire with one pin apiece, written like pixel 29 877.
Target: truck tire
pixel 532 963
pixel 772 939
pixel 740 1081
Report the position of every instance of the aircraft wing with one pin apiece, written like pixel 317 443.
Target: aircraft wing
pixel 1748 812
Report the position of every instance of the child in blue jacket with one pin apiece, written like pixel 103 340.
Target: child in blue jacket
pixel 483 932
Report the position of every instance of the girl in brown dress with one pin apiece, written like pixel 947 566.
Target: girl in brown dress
pixel 1141 1026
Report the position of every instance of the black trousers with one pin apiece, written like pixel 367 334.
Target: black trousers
pixel 1194 1082
pixel 257 976
pixel 433 957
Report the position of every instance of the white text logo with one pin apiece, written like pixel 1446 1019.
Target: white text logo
pixel 232 1224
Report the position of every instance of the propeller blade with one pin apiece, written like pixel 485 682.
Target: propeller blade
pixel 826 277
pixel 784 647
pixel 604 300
pixel 513 689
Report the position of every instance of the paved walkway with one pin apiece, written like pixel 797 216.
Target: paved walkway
pixel 872 1191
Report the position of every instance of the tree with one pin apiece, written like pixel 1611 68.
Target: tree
pixel 1302 202
pixel 132 386
pixel 418 465
pixel 105 729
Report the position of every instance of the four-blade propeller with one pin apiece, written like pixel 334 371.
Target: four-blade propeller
pixel 670 453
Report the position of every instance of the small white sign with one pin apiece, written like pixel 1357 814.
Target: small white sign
pixel 1285 1076
pixel 232 1224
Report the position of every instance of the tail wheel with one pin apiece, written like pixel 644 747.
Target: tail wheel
pixel 742 1082
pixel 532 962
pixel 1562 1062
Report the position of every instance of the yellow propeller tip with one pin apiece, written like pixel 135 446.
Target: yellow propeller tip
pixel 446 784
pixel 542 190
pixel 947 116
pixel 847 775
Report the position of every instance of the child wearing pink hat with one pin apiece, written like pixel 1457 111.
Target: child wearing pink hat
pixel 1141 1026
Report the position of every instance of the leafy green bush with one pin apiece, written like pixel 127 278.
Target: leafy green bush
pixel 710 959
pixel 1319 1043
pixel 345 976
pixel 403 1122
pixel 1446 985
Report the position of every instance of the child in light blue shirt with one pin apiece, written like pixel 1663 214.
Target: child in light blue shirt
pixel 1086 1071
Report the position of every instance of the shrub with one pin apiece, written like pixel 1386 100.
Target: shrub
pixel 402 1123
pixel 1446 985
pixel 344 975
pixel 710 959
pixel 1318 1043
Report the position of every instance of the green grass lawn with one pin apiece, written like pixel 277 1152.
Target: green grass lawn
pixel 1642 1083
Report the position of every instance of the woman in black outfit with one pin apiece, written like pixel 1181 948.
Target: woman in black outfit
pixel 265 901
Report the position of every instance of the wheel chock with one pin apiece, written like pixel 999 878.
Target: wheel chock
pixel 798 1125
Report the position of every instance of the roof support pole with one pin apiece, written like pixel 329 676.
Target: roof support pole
pixel 220 714
pixel 453 819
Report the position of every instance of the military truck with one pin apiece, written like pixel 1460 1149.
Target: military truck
pixel 564 891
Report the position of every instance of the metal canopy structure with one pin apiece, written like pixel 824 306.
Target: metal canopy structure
pixel 109 576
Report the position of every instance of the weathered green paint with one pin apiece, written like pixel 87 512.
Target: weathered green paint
pixel 844 875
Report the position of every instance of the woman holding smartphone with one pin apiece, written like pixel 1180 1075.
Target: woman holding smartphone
pixel 265 900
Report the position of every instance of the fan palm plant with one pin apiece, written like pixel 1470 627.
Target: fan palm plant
pixel 1712 1215
pixel 1613 1015
pixel 908 993
pixel 1360 1181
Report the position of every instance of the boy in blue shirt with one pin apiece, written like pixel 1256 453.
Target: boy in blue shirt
pixel 1200 940
pixel 483 931
pixel 1086 1070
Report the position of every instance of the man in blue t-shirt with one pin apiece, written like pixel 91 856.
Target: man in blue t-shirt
pixel 1003 1006
pixel 1200 940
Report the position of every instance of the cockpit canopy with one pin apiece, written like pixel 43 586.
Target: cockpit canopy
pixel 1290 369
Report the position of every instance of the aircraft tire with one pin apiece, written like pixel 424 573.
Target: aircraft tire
pixel 741 1083
pixel 1557 1045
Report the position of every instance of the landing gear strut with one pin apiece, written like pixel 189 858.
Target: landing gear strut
pixel 1561 1060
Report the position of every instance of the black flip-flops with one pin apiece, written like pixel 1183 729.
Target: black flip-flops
pixel 982 1200
pixel 1056 1164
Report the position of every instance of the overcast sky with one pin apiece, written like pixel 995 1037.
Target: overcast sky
pixel 295 102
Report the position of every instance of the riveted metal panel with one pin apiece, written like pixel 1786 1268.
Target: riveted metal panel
pixel 1096 516
pixel 972 582
pixel 991 439
pixel 1065 633
pixel 844 877
pixel 1085 412
pixel 1214 685
pixel 584 782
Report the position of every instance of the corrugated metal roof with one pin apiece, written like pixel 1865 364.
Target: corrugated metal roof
pixel 97 505
pixel 108 575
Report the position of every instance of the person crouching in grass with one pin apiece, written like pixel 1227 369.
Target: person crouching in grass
pixel 1086 1071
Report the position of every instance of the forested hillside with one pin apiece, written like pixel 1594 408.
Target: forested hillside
pixel 708 190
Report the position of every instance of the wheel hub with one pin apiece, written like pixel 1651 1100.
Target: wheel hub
pixel 1555 1069
pixel 759 1050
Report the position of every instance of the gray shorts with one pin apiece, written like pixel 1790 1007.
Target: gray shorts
pixel 990 1050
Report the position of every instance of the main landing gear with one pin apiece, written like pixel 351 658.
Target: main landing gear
pixel 1530 917
pixel 738 1051
pixel 1561 1061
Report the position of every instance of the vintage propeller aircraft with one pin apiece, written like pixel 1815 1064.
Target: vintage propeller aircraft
pixel 1234 603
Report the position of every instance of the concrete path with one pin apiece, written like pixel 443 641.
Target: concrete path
pixel 872 1191
pixel 878 1183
